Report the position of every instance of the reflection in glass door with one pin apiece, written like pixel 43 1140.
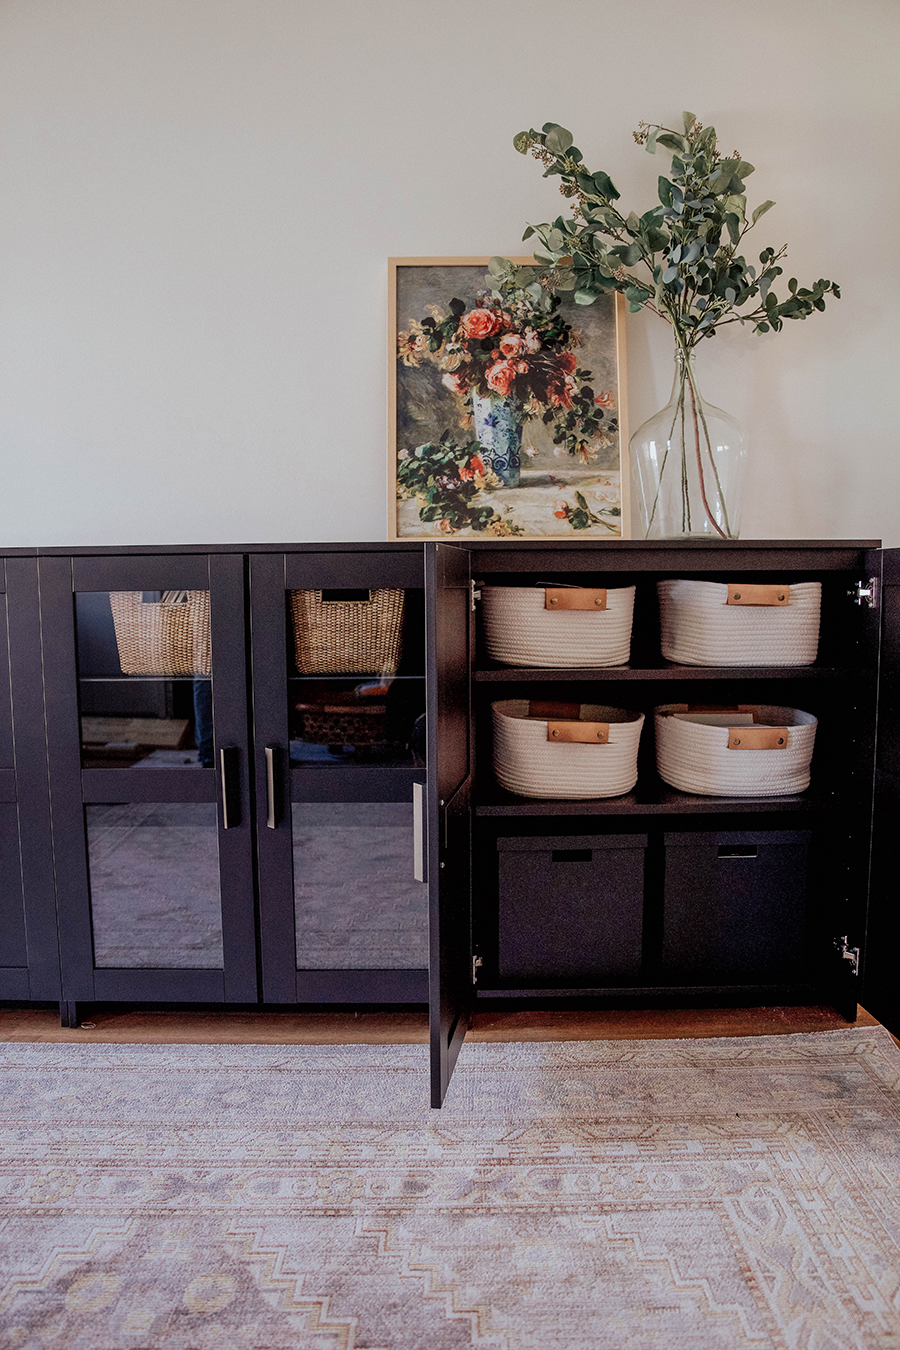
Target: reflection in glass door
pixel 357 904
pixel 339 704
pixel 144 665
pixel 154 875
pixel 159 899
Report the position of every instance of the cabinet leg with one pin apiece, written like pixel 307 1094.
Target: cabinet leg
pixel 68 1014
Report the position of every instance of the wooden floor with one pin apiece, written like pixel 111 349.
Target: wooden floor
pixel 408 1028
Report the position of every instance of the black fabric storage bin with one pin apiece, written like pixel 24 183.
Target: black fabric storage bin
pixel 735 906
pixel 571 908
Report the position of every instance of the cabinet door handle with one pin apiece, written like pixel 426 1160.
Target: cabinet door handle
pixel 229 758
pixel 271 821
pixel 419 865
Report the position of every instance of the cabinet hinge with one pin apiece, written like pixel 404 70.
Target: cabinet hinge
pixel 848 953
pixel 476 962
pixel 476 593
pixel 865 593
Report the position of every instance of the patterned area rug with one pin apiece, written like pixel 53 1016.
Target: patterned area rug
pixel 686 1195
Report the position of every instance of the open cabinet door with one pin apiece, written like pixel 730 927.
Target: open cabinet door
pixel 448 815
pixel 881 952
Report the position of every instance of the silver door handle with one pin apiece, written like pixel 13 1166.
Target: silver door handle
pixel 270 787
pixel 229 757
pixel 419 857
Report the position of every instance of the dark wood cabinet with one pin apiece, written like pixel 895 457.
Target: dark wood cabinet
pixel 695 898
pixel 256 829
pixel 29 950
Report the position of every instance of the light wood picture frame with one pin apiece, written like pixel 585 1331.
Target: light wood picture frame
pixel 568 394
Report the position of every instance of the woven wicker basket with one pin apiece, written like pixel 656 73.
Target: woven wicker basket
pixel 749 750
pixel 709 623
pixel 338 724
pixel 557 625
pixel 565 751
pixel 347 637
pixel 169 636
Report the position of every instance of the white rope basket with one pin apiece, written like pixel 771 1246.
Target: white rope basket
pixel 711 623
pixel 565 751
pixel 558 625
pixel 751 750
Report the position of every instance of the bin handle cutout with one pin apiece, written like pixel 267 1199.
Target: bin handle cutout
pixel 772 596
pixel 757 738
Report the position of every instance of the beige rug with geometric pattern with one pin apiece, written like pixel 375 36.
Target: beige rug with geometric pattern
pixel 613 1195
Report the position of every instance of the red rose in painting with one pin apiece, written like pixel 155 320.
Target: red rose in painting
pixel 567 361
pixel 500 376
pixel 481 323
pixel 511 345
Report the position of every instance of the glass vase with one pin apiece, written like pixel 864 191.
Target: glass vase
pixel 687 464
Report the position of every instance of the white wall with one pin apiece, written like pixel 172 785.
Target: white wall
pixel 199 196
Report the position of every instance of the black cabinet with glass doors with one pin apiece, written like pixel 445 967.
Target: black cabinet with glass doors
pixel 263 775
pixel 214 844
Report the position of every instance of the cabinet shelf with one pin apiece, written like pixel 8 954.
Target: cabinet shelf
pixel 668 671
pixel 651 799
pixel 354 782
pixel 353 679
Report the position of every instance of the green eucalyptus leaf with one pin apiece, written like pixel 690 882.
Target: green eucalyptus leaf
pixel 650 147
pixel 528 233
pixel 744 169
pixel 584 296
pixel 499 267
pixel 673 142
pixel 665 191
pixel 632 223
pixel 556 240
pixel 565 280
pixel 688 119
pixel 604 185
pixel 558 140
pixel 761 210
pixel 523 142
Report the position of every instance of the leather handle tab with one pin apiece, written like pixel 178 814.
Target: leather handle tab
pixel 582 733
pixel 574 597
pixel 720 708
pixel 758 738
pixel 773 596
pixel 567 711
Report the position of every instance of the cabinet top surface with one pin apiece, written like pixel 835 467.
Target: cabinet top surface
pixel 495 547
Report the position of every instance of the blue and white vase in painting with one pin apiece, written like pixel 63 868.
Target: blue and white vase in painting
pixel 498 430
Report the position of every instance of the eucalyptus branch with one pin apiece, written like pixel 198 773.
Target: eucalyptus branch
pixel 690 243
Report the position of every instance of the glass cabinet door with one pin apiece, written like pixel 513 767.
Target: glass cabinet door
pixel 339 710
pixel 151 755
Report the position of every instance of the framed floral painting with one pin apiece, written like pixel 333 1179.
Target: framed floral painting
pixel 507 411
